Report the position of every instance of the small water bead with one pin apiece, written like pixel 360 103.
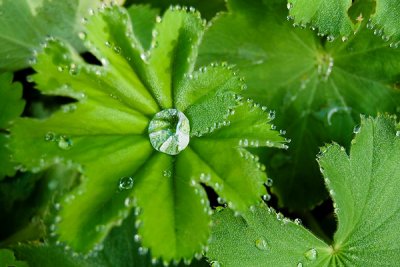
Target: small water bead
pixel 50 136
pixel 261 244
pixel 266 197
pixel 169 131
pixel 299 264
pixel 297 221
pixel 397 133
pixel 64 142
pixel 311 254
pixel 357 129
pixel 125 183
pixel 269 182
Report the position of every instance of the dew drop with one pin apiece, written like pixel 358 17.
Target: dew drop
pixel 299 264
pixel 330 38
pixel 297 221
pixel 269 182
pixel 125 183
pixel 215 264
pixel 397 133
pixel 357 129
pixel 266 197
pixel 50 136
pixel 311 254
pixel 261 244
pixel 137 238
pixel 82 35
pixel 289 6
pixel 64 142
pixel 169 131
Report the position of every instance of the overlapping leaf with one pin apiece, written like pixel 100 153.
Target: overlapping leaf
pixel 25 24
pixel 7 259
pixel 317 89
pixel 120 249
pixel 105 134
pixel 364 186
pixel 336 19
pixel 11 106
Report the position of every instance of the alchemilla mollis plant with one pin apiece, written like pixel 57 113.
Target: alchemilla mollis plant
pixel 144 133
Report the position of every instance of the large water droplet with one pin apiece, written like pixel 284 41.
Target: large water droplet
pixel 64 142
pixel 125 183
pixel 169 131
pixel 261 244
pixel 311 254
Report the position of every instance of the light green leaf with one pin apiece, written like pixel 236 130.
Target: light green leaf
pixel 177 34
pixel 26 23
pixel 143 18
pixel 317 89
pixel 364 186
pixel 7 259
pixel 330 17
pixel 108 135
pixel 263 238
pixel 11 106
pixel 338 19
pixel 387 21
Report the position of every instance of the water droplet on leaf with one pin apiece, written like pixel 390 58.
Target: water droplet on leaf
pixel 64 142
pixel 169 131
pixel 261 244
pixel 125 183
pixel 311 254
pixel 50 136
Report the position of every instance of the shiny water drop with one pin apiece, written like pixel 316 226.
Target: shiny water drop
pixel 215 264
pixel 266 197
pixel 397 133
pixel 125 183
pixel 169 131
pixel 311 254
pixel 299 264
pixel 269 182
pixel 50 136
pixel 357 129
pixel 261 244
pixel 64 142
pixel 297 221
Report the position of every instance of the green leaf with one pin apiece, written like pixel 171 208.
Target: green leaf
pixel 7 259
pixel 26 23
pixel 387 21
pixel 107 134
pixel 317 89
pixel 143 18
pixel 120 248
pixel 11 106
pixel 337 19
pixel 364 186
pixel 330 17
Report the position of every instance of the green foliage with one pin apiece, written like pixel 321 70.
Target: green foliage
pixel 25 23
pixel 7 259
pixel 120 249
pixel 11 106
pixel 317 89
pixel 145 142
pixel 336 19
pixel 364 186
pixel 115 103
